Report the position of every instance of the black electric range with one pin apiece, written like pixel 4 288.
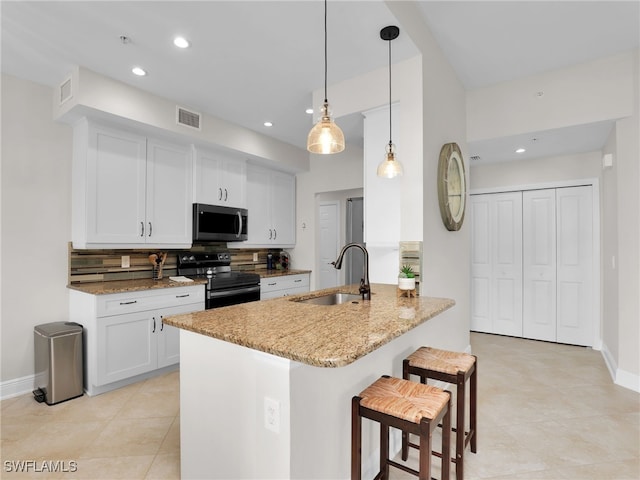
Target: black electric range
pixel 224 286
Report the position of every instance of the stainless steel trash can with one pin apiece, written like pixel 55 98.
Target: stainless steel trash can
pixel 58 362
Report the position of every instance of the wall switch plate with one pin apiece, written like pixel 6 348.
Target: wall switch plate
pixel 255 257
pixel 272 414
pixel 125 261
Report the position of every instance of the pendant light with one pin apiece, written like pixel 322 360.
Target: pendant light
pixel 390 167
pixel 325 136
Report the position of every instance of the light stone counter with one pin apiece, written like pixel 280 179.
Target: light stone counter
pixel 317 335
pixel 138 285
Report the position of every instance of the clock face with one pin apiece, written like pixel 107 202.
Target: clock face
pixel 452 188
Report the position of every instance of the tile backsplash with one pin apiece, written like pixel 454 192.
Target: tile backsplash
pixel 106 264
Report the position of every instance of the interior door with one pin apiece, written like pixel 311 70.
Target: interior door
pixel 496 263
pixel 574 209
pixel 328 244
pixel 539 263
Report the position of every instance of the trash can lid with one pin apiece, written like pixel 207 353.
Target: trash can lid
pixel 55 329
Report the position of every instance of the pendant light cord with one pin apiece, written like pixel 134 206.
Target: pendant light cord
pixel 325 52
pixel 390 144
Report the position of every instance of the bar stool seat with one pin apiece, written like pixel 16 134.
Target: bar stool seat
pixel 455 368
pixel 409 406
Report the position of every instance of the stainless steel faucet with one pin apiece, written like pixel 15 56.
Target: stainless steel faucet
pixel 365 287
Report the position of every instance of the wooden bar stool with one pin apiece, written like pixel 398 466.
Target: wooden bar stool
pixel 455 368
pixel 409 406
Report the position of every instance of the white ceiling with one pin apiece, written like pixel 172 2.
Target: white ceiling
pixel 253 61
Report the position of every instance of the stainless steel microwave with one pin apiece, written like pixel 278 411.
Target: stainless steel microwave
pixel 214 223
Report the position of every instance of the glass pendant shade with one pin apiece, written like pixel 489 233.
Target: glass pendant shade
pixel 325 137
pixel 390 167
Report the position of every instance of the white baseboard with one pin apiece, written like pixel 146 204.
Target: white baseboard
pixel 620 377
pixel 17 387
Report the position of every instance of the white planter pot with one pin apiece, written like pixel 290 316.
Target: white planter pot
pixel 406 283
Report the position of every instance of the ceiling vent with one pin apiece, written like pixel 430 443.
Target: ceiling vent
pixel 65 91
pixel 475 158
pixel 187 119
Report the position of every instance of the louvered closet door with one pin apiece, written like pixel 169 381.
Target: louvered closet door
pixel 496 271
pixel 574 207
pixel 539 264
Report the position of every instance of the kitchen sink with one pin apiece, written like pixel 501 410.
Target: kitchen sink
pixel 333 299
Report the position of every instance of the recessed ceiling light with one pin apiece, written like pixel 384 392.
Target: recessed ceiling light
pixel 138 71
pixel 181 42
pixel 520 150
pixel 309 111
pixel 268 124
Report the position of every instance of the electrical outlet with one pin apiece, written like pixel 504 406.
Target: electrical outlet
pixel 125 261
pixel 272 414
pixel 255 257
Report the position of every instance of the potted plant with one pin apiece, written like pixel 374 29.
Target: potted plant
pixel 406 278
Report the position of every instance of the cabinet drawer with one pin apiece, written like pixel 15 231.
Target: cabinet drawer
pixel 121 303
pixel 284 283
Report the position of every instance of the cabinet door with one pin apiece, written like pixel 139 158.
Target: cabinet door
pixel 168 337
pixel 259 206
pixel 207 178
pixel 283 209
pixel 115 191
pixel 234 181
pixel 126 346
pixel 169 194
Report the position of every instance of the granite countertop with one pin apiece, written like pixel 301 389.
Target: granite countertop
pixel 317 335
pixel 280 273
pixel 121 286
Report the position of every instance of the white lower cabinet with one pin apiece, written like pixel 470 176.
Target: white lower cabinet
pixel 284 285
pixel 125 335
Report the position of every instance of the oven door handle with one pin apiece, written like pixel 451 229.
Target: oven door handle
pixel 234 291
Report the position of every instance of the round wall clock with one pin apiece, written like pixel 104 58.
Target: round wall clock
pixel 452 186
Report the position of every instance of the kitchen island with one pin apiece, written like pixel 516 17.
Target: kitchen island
pixel 266 387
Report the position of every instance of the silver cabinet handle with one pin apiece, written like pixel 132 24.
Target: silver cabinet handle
pixel 142 229
pixel 161 323
pixel 129 303
pixel 150 229
pixel 275 234
pixel 154 325
pixel 182 296
pixel 219 193
pixel 297 281
pixel 225 195
pixel 270 234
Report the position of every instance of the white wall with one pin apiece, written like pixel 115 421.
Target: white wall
pixel 328 173
pixel 581 94
pixel 36 223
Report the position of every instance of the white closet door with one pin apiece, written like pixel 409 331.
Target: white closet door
pixel 507 263
pixel 575 265
pixel 539 264
pixel 496 271
pixel 481 276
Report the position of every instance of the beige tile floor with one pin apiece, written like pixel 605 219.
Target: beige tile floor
pixel 546 411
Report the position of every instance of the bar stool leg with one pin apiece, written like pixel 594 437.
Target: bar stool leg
pixel 425 450
pixel 384 451
pixel 473 402
pixel 446 442
pixel 460 424
pixel 356 444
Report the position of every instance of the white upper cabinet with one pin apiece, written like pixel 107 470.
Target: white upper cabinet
pixel 219 179
pixel 128 190
pixel 271 197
